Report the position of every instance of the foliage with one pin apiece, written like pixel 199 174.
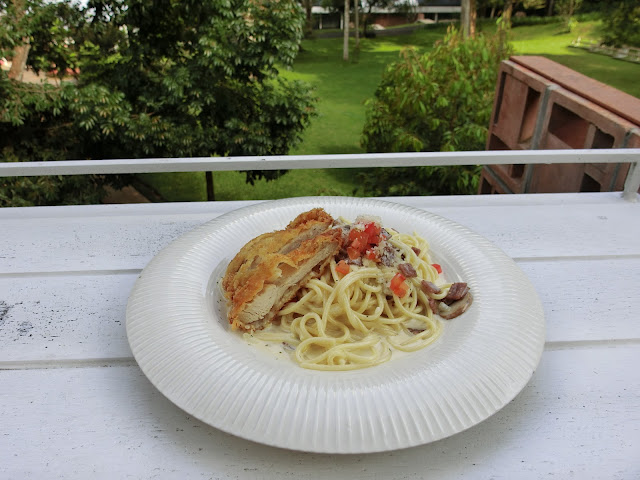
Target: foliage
pixel 439 101
pixel 533 20
pixel 622 24
pixel 567 9
pixel 400 181
pixel 160 79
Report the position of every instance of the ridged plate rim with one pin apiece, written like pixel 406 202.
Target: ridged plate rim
pixel 184 347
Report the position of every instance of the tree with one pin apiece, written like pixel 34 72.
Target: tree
pixel 381 4
pixel 438 101
pixel 468 18
pixel 566 9
pixel 509 5
pixel 308 26
pixel 343 7
pixel 622 24
pixel 356 21
pixel 168 79
pixel 345 30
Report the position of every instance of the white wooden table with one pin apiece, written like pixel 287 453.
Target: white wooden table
pixel 74 404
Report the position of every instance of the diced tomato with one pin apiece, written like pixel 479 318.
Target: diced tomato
pixel 359 244
pixel 437 267
pixel 343 267
pixel 398 285
pixel 402 290
pixel 371 254
pixel 355 233
pixel 373 233
pixel 360 241
pixel 353 253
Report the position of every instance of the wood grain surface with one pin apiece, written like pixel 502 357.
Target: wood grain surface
pixel 74 404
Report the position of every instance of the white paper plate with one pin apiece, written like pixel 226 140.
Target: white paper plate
pixel 179 336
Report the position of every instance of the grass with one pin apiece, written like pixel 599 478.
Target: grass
pixel 342 88
pixel 190 186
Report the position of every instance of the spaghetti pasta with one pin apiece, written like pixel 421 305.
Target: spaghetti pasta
pixel 372 299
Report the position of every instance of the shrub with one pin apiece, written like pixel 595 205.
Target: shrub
pixel 439 101
pixel 622 24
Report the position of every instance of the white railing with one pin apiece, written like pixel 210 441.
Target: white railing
pixel 292 162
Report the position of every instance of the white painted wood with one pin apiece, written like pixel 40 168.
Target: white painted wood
pixel 86 242
pixel 73 403
pixel 579 417
pixel 53 319
pixel 277 162
pixel 48 319
pixel 217 208
pixel 292 162
pixel 587 300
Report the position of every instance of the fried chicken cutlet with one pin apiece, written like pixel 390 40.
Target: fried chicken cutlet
pixel 269 270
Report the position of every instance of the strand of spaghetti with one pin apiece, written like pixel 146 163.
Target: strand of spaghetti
pixel 304 332
pixel 308 343
pixel 291 307
pixel 353 362
pixel 345 352
pixel 337 351
pixel 371 317
pixel 417 341
pixel 339 291
pixel 410 313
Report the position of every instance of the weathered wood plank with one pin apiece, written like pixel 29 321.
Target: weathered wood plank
pixel 217 208
pixel 53 318
pixel 579 417
pixel 88 242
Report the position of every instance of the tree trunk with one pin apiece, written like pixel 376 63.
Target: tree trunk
pixel 465 18
pixel 549 8
pixel 21 52
pixel 468 16
pixel 365 20
pixel 19 60
pixel 508 10
pixel 473 15
pixel 210 192
pixel 308 5
pixel 345 44
pixel 356 13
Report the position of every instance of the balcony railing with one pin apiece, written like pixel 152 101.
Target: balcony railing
pixel 292 162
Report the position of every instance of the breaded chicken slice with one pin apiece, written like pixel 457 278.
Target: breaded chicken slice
pixel 269 270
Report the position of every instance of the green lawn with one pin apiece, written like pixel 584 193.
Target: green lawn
pixel 342 87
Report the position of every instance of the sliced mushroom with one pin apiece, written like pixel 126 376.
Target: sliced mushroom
pixel 456 292
pixel 429 287
pixel 456 308
pixel 407 270
pixel 433 305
